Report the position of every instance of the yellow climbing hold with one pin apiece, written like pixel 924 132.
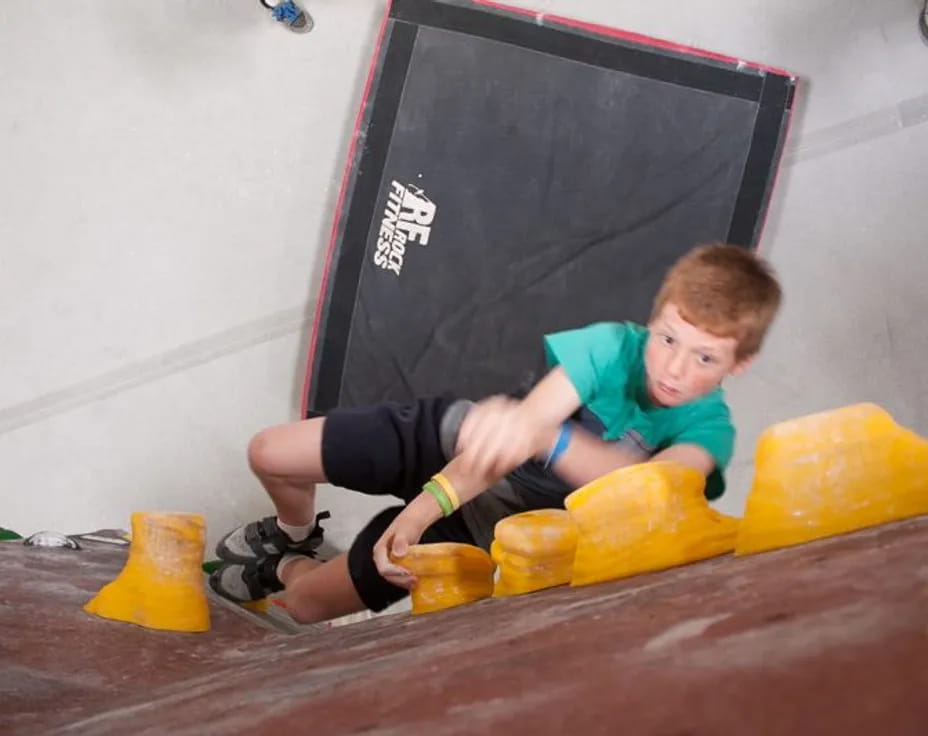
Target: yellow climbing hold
pixel 260 606
pixel 161 584
pixel 534 550
pixel 645 517
pixel 449 574
pixel 831 473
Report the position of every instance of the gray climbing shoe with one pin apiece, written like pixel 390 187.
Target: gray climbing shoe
pixel 259 539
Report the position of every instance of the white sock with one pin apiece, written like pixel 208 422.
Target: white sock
pixel 286 560
pixel 296 533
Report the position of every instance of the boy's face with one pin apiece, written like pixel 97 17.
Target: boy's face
pixel 683 362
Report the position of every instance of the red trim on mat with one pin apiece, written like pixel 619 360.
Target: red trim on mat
pixel 635 37
pixel 320 300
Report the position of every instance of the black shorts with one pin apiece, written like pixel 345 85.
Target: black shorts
pixel 387 449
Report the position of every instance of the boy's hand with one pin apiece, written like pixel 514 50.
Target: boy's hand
pixel 406 530
pixel 498 435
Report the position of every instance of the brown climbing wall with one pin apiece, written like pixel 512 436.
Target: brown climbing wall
pixel 824 638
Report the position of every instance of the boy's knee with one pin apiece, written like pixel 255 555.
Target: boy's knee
pixel 289 452
pixel 262 453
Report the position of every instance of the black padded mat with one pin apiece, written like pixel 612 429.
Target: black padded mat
pixel 514 177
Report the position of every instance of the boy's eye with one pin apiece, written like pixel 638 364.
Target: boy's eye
pixel 667 339
pixel 706 359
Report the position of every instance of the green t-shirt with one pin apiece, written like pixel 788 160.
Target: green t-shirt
pixel 605 363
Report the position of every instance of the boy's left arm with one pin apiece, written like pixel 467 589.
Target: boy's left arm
pixel 587 457
pixel 693 456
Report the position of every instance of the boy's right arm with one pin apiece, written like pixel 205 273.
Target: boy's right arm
pixel 497 435
pixel 500 433
pixel 423 511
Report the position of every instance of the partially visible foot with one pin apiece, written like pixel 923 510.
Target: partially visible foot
pixel 259 539
pixel 290 14
pixel 251 581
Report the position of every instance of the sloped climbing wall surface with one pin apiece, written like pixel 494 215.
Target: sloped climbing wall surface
pixel 828 637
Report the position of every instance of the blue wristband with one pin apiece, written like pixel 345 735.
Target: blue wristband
pixel 563 439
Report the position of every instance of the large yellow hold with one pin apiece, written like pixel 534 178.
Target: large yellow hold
pixel 831 473
pixel 161 584
pixel 449 574
pixel 645 517
pixel 534 550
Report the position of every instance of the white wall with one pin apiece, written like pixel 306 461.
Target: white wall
pixel 168 174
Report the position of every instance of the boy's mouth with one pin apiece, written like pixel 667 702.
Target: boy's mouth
pixel 666 389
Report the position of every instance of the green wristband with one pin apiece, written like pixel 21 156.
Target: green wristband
pixel 433 488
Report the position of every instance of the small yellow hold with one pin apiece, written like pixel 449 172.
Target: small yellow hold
pixel 449 574
pixel 161 584
pixel 260 606
pixel 645 517
pixel 831 473
pixel 534 550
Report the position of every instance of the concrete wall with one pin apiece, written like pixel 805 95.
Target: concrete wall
pixel 168 175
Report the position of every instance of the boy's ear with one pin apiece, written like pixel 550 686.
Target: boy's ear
pixel 742 365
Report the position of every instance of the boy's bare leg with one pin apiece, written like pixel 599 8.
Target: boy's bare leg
pixel 319 591
pixel 288 462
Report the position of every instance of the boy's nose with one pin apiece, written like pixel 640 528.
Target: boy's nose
pixel 676 365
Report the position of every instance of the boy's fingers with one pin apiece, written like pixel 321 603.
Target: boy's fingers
pixel 400 547
pixel 479 422
pixel 470 458
pixel 399 576
pixel 380 558
pixel 388 570
pixel 407 582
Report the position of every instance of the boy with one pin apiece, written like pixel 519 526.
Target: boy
pixel 617 394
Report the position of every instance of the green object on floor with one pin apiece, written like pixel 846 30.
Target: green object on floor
pixel 6 534
pixel 211 565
